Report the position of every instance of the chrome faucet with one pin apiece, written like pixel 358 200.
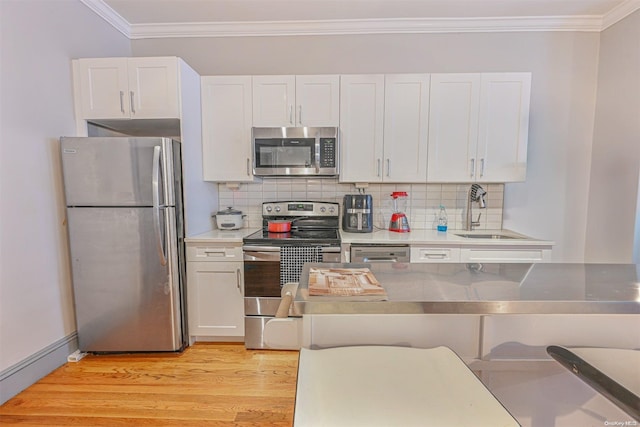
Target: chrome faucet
pixel 476 194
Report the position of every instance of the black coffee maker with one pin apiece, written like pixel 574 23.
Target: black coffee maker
pixel 357 213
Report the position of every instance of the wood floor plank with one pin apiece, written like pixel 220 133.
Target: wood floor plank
pixel 208 384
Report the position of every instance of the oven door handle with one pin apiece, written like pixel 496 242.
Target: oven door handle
pixel 276 249
pixel 264 256
pixel 261 249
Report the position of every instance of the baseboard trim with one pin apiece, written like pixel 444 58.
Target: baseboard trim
pixel 23 374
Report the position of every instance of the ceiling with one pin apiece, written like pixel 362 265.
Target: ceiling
pixel 184 18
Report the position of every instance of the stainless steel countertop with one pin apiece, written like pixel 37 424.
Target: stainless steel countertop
pixel 486 289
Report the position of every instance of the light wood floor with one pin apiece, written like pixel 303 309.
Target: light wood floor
pixel 209 384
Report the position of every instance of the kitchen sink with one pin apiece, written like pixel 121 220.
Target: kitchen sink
pixel 488 236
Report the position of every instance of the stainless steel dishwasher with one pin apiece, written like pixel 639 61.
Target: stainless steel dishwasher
pixel 380 253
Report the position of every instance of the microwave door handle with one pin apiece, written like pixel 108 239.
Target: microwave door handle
pixel 317 156
pixel 155 188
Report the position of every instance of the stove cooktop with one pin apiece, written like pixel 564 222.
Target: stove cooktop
pixel 326 237
pixel 313 223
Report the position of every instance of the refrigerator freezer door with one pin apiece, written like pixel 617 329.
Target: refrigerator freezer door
pixel 125 299
pixel 117 171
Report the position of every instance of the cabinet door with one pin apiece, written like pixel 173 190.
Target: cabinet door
pixel 215 299
pixel 503 127
pixel 361 118
pixel 153 88
pixel 317 100
pixel 406 115
pixel 274 101
pixel 104 88
pixel 226 128
pixel 453 127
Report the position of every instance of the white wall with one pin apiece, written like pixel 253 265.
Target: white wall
pixel 614 192
pixel 38 40
pixel 552 203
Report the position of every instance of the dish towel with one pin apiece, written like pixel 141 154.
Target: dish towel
pixel 292 259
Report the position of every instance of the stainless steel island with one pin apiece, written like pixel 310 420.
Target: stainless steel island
pixel 486 289
pixel 499 318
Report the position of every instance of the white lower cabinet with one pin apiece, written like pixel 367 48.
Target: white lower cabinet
pixel 215 297
pixel 505 255
pixel 477 253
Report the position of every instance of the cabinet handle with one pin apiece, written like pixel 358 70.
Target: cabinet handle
pixel 215 252
pixel 122 101
pixel 300 114
pixel 248 170
pixel 435 256
pixel 290 113
pixel 133 108
pixel 482 167
pixel 388 167
pixel 238 281
pixel 473 168
pixel 378 169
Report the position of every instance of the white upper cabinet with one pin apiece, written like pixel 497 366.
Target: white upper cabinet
pixel 226 128
pixel 274 99
pixel 318 100
pixel 453 126
pixel 503 130
pixel 406 118
pixel 384 127
pixel 362 127
pixel 117 88
pixel 478 127
pixel 288 101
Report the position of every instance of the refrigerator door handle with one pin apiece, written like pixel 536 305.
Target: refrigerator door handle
pixel 155 186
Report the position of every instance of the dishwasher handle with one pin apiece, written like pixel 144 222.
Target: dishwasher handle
pixel 381 253
pixel 378 259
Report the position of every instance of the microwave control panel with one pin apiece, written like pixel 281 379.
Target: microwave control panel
pixel 327 152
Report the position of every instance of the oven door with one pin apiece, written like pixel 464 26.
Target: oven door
pixel 262 272
pixel 262 291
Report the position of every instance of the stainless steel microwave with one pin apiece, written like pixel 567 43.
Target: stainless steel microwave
pixel 299 151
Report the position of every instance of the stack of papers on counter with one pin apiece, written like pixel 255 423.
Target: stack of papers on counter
pixel 345 282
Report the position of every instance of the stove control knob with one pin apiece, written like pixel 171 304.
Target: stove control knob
pixel 331 209
pixel 323 209
pixel 277 208
pixel 268 208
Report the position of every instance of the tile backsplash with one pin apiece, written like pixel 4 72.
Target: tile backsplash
pixel 422 204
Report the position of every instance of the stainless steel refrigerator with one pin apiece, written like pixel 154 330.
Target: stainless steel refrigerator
pixel 125 225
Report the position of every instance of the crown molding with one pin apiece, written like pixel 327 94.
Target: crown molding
pixel 619 12
pixel 361 26
pixel 366 26
pixel 108 14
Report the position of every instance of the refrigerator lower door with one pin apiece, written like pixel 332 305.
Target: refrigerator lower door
pixel 127 298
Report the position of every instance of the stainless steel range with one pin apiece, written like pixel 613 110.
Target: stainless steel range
pixel 272 259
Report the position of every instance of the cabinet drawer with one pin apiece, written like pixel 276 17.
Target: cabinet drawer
pixel 504 255
pixel 214 253
pixel 431 254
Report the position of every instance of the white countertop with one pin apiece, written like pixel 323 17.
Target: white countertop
pixel 414 237
pixel 221 236
pixel 448 238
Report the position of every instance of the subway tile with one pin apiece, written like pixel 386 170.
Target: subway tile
pixel 422 205
pixel 299 195
pixel 299 187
